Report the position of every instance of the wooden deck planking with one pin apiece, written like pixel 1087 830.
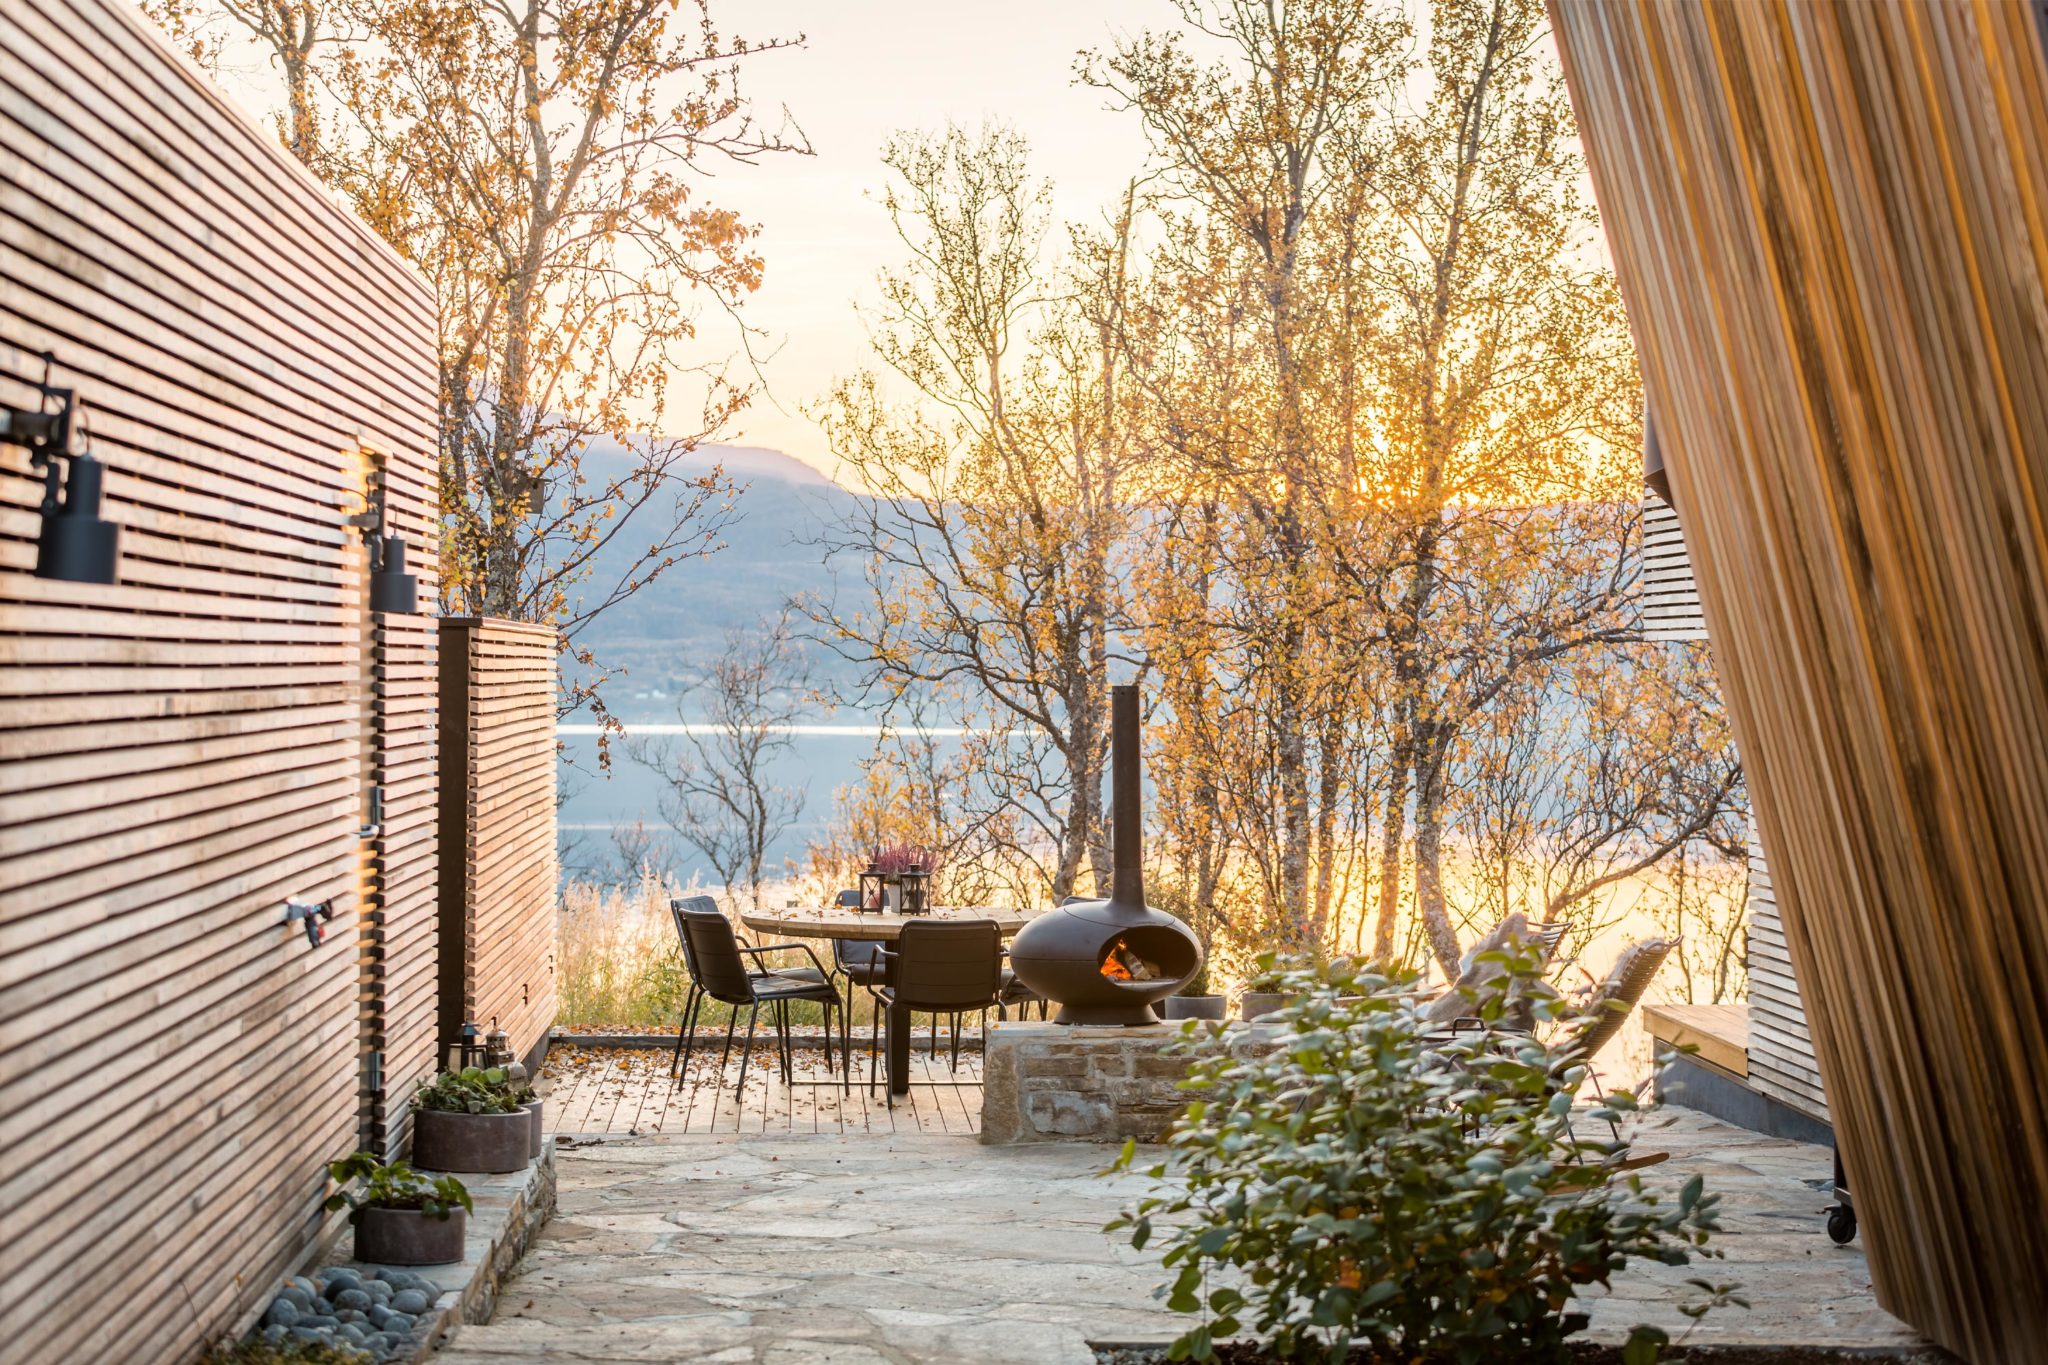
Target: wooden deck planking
pixel 618 1092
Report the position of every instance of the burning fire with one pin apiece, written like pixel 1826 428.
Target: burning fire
pixel 1121 964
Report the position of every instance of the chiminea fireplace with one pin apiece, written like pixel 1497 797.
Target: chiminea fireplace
pixel 1105 962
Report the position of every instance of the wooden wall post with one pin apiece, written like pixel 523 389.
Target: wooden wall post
pixel 498 856
pixel 1830 223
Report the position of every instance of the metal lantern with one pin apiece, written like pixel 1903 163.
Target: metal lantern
pixel 917 888
pixel 872 896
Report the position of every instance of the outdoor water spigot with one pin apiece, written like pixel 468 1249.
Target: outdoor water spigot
pixel 312 916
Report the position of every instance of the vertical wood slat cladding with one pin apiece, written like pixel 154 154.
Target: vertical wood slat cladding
pixel 1830 224
pixel 498 856
pixel 182 751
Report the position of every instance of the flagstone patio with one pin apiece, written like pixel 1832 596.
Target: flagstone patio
pixel 917 1246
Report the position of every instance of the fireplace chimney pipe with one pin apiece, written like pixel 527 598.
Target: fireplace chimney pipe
pixel 1127 803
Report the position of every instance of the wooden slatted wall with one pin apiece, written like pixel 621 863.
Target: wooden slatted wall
pixel 182 751
pixel 1781 1060
pixel 401 928
pixel 1671 601
pixel 1830 224
pixel 498 856
pixel 1781 1051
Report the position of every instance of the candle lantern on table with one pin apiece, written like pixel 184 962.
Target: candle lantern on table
pixel 916 889
pixel 871 882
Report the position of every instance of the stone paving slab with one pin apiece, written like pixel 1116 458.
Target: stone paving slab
pixel 926 1248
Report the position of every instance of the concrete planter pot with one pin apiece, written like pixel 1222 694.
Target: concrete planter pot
pixel 409 1237
pixel 472 1142
pixel 1193 1007
pixel 1252 1004
pixel 539 1131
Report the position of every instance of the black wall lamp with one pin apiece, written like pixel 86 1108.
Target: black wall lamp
pixel 392 589
pixel 75 543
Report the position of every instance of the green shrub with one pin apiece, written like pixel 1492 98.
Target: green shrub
pixel 1364 1185
pixel 393 1185
pixel 472 1090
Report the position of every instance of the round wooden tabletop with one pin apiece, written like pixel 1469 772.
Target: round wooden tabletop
pixel 819 921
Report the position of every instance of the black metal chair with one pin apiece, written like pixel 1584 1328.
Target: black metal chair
pixel 945 967
pixel 859 962
pixel 720 969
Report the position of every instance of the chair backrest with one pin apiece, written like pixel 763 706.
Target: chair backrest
pixel 676 907
pixel 856 952
pixel 949 965
pixel 1608 1008
pixel 1479 982
pixel 849 899
pixel 712 951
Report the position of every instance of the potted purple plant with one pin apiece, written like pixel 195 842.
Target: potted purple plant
pixel 400 1216
pixel 906 872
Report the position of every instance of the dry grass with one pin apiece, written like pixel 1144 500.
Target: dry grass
pixel 621 968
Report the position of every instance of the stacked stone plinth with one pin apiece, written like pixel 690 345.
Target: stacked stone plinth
pixel 1052 1083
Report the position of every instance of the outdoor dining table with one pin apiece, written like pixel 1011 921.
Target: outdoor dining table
pixel 868 926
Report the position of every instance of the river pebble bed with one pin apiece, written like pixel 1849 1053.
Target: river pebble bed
pixel 372 1312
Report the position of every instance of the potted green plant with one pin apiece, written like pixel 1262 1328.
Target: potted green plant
pixel 471 1120
pixel 530 1101
pixel 1194 1001
pixel 1263 994
pixel 400 1216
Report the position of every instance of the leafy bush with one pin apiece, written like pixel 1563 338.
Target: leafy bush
pixel 392 1186
pixel 472 1090
pixel 1424 1199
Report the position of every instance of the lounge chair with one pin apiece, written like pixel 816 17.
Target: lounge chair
pixel 1482 980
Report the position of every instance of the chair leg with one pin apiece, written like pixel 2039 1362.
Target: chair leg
pixel 680 1063
pixel 1601 1095
pixel 686 1037
pixel 953 1061
pixel 746 1053
pixel 726 1055
pixel 874 1038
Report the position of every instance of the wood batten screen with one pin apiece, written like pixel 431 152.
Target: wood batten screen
pixel 401 922
pixel 498 861
pixel 1781 1060
pixel 1830 223
pixel 1670 600
pixel 182 751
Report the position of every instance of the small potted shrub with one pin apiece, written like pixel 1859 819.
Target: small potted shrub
pixel 1369 1188
pixel 400 1216
pixel 1194 1000
pixel 530 1101
pixel 471 1120
pixel 1263 994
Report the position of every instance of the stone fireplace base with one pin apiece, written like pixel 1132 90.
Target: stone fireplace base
pixel 1054 1083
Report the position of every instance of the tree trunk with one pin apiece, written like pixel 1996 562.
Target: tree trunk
pixel 1429 875
pixel 1393 833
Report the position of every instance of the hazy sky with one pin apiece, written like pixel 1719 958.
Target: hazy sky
pixel 871 68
